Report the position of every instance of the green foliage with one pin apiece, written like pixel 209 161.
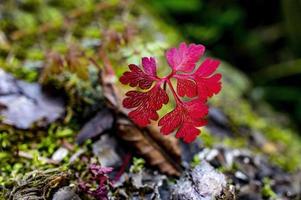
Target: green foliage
pixel 19 71
pixel 292 10
pixel 138 165
pixel 267 191
pixel 178 6
pixel 195 161
pixel 207 138
pixel 35 148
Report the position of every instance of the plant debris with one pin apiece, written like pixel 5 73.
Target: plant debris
pixel 100 177
pixel 149 144
pixel 39 184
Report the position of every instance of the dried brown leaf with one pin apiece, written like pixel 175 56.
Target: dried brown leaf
pixel 148 144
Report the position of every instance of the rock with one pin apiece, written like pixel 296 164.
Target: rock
pixel 251 196
pixel 65 193
pixel 201 183
pixel 241 176
pixel 218 123
pixel 218 117
pixel 105 150
pixel 7 84
pixel 248 173
pixel 100 123
pixel 59 154
pixel 251 191
pixel 189 151
pixel 258 139
pixel 76 155
pixel 24 105
pixel 146 184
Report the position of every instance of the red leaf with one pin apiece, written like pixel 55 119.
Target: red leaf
pixel 185 57
pixel 208 84
pixel 208 67
pixel 146 103
pixel 171 121
pixel 188 132
pixel 149 66
pixel 186 87
pixel 185 118
pixel 207 87
pixel 136 77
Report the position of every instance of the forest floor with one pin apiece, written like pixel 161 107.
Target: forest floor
pixel 64 135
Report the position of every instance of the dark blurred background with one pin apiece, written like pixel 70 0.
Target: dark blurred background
pixel 261 38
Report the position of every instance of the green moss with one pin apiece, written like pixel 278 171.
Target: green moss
pixel 138 165
pixel 51 16
pixel 207 138
pixel 195 161
pixel 267 191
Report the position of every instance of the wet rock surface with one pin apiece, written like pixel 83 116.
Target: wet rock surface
pixel 201 183
pixel 145 184
pixel 252 175
pixel 24 105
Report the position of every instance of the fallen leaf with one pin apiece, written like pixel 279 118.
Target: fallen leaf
pixel 148 144
pixel 100 123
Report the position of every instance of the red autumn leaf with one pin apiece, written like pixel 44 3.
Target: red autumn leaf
pixel 207 87
pixel 149 66
pixel 146 103
pixel 202 82
pixel 186 87
pixel 185 57
pixel 137 77
pixel 185 118
pixel 199 85
pixel 208 67
pixel 208 83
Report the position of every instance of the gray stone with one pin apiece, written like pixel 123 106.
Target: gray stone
pixel 59 154
pixel 24 104
pixel 66 193
pixel 105 150
pixel 201 183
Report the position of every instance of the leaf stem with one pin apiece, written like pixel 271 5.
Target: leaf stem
pixel 178 100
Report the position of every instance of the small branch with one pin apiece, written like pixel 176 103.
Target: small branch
pixel 26 155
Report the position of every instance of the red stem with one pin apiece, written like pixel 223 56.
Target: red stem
pixel 178 100
pixel 166 79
